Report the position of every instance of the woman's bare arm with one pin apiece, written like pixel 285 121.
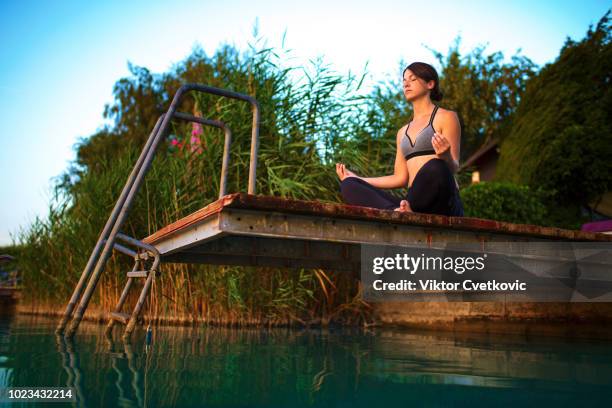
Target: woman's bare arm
pixel 399 178
pixel 450 130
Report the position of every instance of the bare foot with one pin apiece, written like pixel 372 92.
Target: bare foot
pixel 343 172
pixel 404 206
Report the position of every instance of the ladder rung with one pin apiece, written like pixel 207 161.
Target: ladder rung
pixel 120 317
pixel 138 274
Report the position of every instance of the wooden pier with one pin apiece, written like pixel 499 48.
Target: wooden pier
pixel 246 229
pixel 258 230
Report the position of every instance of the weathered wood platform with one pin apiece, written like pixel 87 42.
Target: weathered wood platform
pixel 245 229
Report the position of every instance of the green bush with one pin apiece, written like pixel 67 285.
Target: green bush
pixel 504 201
pixel 561 135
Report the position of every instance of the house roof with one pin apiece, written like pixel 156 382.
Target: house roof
pixel 485 148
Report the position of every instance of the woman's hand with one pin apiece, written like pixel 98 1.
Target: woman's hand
pixel 440 144
pixel 343 172
pixel 442 148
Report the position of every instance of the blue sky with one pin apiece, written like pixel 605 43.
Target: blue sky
pixel 60 59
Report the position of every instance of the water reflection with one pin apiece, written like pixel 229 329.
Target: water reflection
pixel 71 365
pixel 128 382
pixel 188 366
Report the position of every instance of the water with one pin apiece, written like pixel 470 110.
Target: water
pixel 299 368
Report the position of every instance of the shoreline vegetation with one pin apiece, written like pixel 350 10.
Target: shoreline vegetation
pixel 313 117
pixel 95 314
pixel 525 319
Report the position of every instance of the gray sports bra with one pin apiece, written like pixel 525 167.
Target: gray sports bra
pixel 422 145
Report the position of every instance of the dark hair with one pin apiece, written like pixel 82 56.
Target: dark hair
pixel 427 73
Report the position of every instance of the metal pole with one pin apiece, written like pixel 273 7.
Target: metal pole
pixel 141 300
pixel 157 136
pixel 122 298
pixel 254 147
pixel 147 286
pixel 95 276
pixel 226 146
pixel 141 245
pixel 125 250
pixel 76 294
pixel 254 130
pixel 225 163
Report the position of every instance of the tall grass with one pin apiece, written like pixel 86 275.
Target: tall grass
pixel 311 118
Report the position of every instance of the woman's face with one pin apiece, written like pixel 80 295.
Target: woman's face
pixel 415 87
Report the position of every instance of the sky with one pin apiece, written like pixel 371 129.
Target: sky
pixel 60 59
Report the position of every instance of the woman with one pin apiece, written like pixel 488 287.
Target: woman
pixel 427 155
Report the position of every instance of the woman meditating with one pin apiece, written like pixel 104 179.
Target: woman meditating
pixel 427 155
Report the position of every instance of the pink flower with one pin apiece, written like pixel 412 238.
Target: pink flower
pixel 196 129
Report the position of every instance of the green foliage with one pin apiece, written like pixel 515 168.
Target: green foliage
pixel 503 201
pixel 305 110
pixel 312 117
pixel 561 138
pixel 483 90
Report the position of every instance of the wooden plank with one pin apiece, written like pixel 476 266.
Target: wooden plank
pixel 251 260
pixel 190 220
pixel 267 204
pixel 196 233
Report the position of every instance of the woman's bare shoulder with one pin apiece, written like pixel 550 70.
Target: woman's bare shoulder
pixel 447 115
pixel 400 132
pixel 446 119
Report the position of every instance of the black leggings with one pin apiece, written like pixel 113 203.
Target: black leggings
pixel 433 191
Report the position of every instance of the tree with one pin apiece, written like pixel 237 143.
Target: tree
pixel 483 90
pixel 561 137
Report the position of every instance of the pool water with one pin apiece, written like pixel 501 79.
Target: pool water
pixel 203 366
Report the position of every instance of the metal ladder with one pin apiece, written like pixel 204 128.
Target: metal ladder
pixel 110 233
pixel 139 271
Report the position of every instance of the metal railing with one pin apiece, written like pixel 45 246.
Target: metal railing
pixel 106 242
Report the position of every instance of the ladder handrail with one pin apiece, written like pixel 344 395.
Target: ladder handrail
pixel 124 250
pixel 226 147
pixel 233 95
pixel 145 246
pixel 123 205
pixel 93 257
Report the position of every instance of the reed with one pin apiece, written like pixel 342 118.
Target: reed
pixel 310 116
